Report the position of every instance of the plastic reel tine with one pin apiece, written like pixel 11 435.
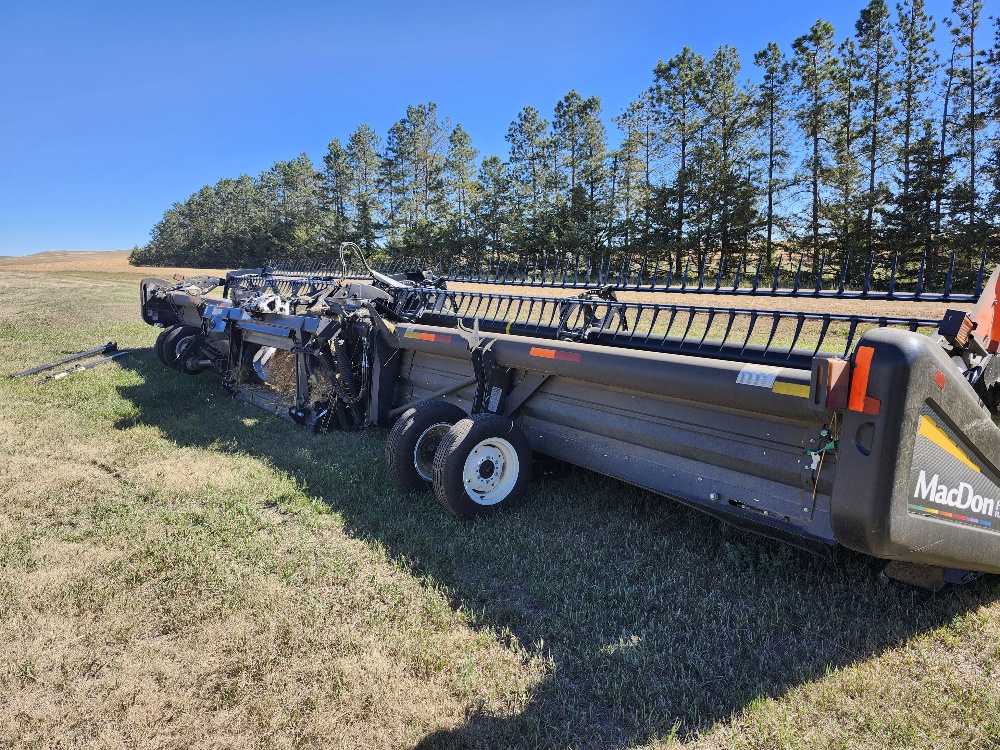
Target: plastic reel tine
pixel 850 335
pixel 739 270
pixel 798 276
pixel 684 281
pixel 920 274
pixel 819 274
pixel 750 326
pixel 777 274
pixel 729 328
pixel 822 333
pixel 702 262
pixel 652 323
pixel 756 276
pixel 656 273
pixel 708 325
pixel 979 276
pixel 774 329
pixel 692 312
pixel 801 319
pixel 950 276
pixel 868 276
pixel 892 274
pixel 718 276
pixel 843 273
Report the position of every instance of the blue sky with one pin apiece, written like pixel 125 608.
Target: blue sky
pixel 112 111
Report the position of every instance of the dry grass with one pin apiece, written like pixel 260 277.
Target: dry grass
pixel 112 262
pixel 180 570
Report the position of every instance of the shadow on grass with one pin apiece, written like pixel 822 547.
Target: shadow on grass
pixel 657 619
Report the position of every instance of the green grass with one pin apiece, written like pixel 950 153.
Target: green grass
pixel 178 569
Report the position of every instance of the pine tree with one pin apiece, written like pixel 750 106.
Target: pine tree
pixel 365 164
pixel 493 207
pixel 843 176
pixel 729 199
pixel 972 82
pixel 678 90
pixel 530 165
pixel 814 66
pixel 914 72
pixel 580 148
pixel 876 61
pixel 335 190
pixel 633 173
pixel 460 177
pixel 392 182
pixel 915 68
pixel 772 111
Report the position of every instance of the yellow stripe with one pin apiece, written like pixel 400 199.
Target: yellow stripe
pixel 509 325
pixel 937 436
pixel 411 335
pixel 790 389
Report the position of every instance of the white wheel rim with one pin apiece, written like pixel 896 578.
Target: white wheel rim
pixel 490 471
pixel 423 451
pixel 179 346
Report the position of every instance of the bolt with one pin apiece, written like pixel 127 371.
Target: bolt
pixel 714 496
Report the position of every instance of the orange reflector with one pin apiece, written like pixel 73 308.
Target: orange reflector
pixel 439 337
pixel 859 379
pixel 939 379
pixel 537 351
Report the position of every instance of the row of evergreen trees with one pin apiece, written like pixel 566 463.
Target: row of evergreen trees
pixel 887 140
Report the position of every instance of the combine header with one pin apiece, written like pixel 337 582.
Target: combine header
pixel 874 433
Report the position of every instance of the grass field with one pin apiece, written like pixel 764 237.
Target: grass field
pixel 178 569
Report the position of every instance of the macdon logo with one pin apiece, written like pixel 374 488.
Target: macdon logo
pixel 963 496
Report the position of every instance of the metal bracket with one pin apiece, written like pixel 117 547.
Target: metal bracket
pixel 492 381
pixel 524 390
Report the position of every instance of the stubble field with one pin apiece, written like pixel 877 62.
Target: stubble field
pixel 178 569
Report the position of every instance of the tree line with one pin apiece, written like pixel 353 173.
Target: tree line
pixel 886 141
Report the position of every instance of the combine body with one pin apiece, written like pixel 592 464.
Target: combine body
pixel 877 434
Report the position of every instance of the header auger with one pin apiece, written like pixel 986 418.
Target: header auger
pixel 870 432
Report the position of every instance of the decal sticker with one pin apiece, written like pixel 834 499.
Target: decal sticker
pixel 785 388
pixel 762 376
pixel 947 481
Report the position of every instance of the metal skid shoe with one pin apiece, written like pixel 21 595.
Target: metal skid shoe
pixel 928 577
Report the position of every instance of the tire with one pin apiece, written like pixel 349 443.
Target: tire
pixel 413 442
pixel 189 354
pixel 158 346
pixel 174 343
pixel 481 466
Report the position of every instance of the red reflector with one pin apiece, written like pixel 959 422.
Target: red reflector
pixel 872 405
pixel 939 379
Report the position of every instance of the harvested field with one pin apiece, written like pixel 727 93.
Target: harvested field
pixel 179 569
pixel 114 262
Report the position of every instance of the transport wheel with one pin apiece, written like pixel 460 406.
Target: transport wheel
pixel 414 439
pixel 482 465
pixel 174 343
pixel 189 354
pixel 158 346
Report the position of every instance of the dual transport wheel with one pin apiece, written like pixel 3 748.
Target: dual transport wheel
pixel 477 464
pixel 172 342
